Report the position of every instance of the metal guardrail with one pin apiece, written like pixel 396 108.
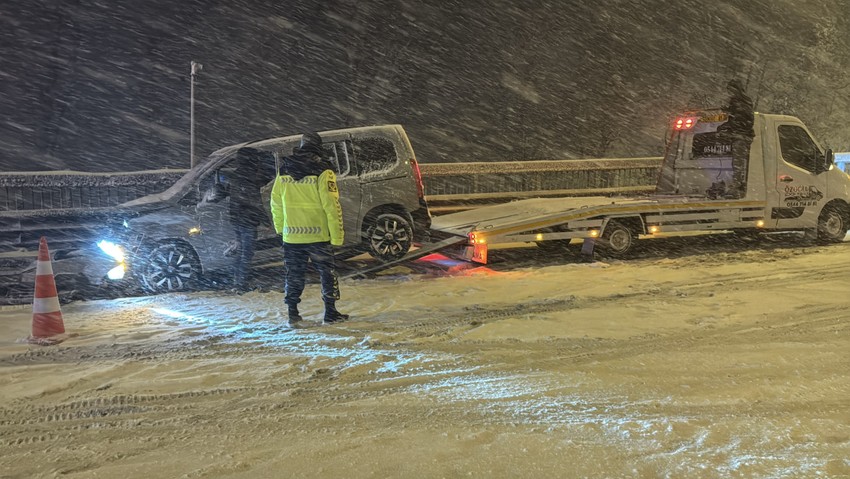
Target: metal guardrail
pixel 445 183
pixel 53 190
pixel 457 186
pixel 499 177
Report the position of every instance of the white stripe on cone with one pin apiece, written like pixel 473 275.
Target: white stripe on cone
pixel 43 268
pixel 45 305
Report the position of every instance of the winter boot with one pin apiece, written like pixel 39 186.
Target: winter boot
pixel 294 316
pixel 332 315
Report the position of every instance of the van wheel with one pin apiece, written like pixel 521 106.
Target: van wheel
pixel 617 240
pixel 169 267
pixel 832 226
pixel 390 237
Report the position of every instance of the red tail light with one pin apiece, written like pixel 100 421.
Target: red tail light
pixel 685 123
pixel 420 187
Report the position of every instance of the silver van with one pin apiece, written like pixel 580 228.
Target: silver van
pixel 171 240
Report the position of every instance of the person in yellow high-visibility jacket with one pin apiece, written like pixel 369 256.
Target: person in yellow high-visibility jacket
pixel 306 213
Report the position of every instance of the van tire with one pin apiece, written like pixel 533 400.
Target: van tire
pixel 832 225
pixel 169 267
pixel 617 241
pixel 389 237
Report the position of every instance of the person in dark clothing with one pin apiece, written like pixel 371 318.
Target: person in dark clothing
pixel 739 129
pixel 307 214
pixel 246 212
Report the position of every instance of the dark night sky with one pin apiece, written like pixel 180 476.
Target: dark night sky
pixel 104 85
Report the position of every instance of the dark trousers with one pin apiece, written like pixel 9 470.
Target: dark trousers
pixel 740 159
pixel 247 237
pixel 296 257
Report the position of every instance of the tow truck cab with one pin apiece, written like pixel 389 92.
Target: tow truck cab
pixel 787 169
pixel 790 184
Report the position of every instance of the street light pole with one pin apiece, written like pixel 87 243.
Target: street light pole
pixel 196 67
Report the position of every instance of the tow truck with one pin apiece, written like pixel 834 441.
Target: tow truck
pixel 792 184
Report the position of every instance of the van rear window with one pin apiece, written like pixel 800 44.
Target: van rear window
pixel 374 154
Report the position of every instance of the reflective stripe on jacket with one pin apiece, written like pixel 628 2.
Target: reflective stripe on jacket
pixel 307 210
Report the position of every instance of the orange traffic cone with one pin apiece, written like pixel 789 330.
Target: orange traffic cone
pixel 47 322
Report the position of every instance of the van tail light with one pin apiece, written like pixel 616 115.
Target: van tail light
pixel 417 174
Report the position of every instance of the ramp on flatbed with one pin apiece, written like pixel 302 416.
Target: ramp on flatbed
pixel 423 250
pixel 495 216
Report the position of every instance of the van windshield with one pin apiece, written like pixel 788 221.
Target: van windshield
pixel 186 182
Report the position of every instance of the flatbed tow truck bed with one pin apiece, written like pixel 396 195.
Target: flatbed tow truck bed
pixel 546 219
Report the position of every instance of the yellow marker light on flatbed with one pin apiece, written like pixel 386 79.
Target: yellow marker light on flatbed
pixel 539 236
pixel 593 233
pixel 760 224
pixel 653 229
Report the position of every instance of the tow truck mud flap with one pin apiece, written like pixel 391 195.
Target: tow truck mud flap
pixel 423 250
pixel 476 253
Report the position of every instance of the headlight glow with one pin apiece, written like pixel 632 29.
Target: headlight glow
pixel 112 250
pixel 116 272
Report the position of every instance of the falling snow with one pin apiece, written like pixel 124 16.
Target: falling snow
pixel 692 360
pixel 98 86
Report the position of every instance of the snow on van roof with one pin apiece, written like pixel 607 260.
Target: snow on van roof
pixel 281 139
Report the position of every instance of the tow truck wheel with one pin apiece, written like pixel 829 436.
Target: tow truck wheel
pixel 169 267
pixel 389 237
pixel 832 226
pixel 617 240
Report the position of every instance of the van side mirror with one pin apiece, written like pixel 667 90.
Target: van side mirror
pixel 828 159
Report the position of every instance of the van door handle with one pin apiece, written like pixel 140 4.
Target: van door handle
pixel 786 179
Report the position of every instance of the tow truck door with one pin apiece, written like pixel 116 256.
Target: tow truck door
pixel 801 180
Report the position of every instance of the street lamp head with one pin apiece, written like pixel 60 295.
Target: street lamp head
pixel 196 67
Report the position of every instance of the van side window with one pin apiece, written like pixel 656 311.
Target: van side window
pixel 338 154
pixel 374 154
pixel 798 148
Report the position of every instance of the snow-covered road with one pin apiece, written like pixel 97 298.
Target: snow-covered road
pixel 720 363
